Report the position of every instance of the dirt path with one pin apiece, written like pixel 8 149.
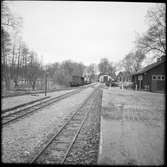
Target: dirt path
pixel 132 128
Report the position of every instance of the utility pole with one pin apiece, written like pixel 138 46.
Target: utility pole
pixel 45 83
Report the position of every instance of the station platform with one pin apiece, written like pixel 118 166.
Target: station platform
pixel 132 128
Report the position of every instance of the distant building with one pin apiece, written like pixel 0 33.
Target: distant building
pixel 124 76
pixel 105 78
pixel 87 78
pixel 151 77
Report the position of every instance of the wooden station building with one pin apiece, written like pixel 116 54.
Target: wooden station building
pixel 152 77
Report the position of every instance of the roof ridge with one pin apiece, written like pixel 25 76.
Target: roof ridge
pixel 149 67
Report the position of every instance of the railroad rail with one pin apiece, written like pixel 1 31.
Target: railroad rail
pixel 58 146
pixel 23 105
pixel 18 112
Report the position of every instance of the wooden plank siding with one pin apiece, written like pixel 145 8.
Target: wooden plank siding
pixel 148 82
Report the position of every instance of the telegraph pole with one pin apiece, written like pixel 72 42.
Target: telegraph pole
pixel 45 83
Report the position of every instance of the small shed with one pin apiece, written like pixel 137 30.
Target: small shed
pixel 151 77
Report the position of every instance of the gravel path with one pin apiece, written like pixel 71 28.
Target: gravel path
pixel 23 138
pixel 85 149
pixel 132 128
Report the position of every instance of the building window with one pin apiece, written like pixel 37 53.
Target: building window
pixel 159 77
pixel 162 77
pixel 154 77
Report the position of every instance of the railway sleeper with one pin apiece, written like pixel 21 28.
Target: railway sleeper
pixel 67 135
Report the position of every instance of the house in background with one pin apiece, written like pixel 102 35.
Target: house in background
pixel 124 76
pixel 151 77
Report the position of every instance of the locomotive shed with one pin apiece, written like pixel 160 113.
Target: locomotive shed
pixel 96 125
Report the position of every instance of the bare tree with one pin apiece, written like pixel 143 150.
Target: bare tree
pixel 154 39
pixel 62 73
pixel 53 71
pixel 132 61
pixel 69 69
pixel 10 24
pixel 106 67
pixel 25 53
pixel 91 71
pixel 8 19
pixel 6 49
pixel 33 69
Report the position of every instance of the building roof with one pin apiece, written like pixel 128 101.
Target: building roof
pixel 149 67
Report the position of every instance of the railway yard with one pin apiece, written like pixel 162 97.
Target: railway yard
pixel 91 124
pixel 83 83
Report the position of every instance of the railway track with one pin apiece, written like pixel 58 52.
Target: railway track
pixel 57 149
pixel 10 115
pixel 34 92
pixel 8 110
pixel 38 92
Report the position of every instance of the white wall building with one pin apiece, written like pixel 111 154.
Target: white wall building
pixel 102 78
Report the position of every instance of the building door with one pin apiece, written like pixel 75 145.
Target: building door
pixel 158 83
pixel 154 85
pixel 140 78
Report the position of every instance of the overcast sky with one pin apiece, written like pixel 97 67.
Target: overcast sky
pixel 81 31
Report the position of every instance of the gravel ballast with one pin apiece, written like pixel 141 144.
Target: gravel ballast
pixel 23 138
pixel 85 149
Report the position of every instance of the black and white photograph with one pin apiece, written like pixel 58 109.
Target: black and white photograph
pixel 83 82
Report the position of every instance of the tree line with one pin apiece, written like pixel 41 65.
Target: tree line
pixel 62 73
pixel 19 62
